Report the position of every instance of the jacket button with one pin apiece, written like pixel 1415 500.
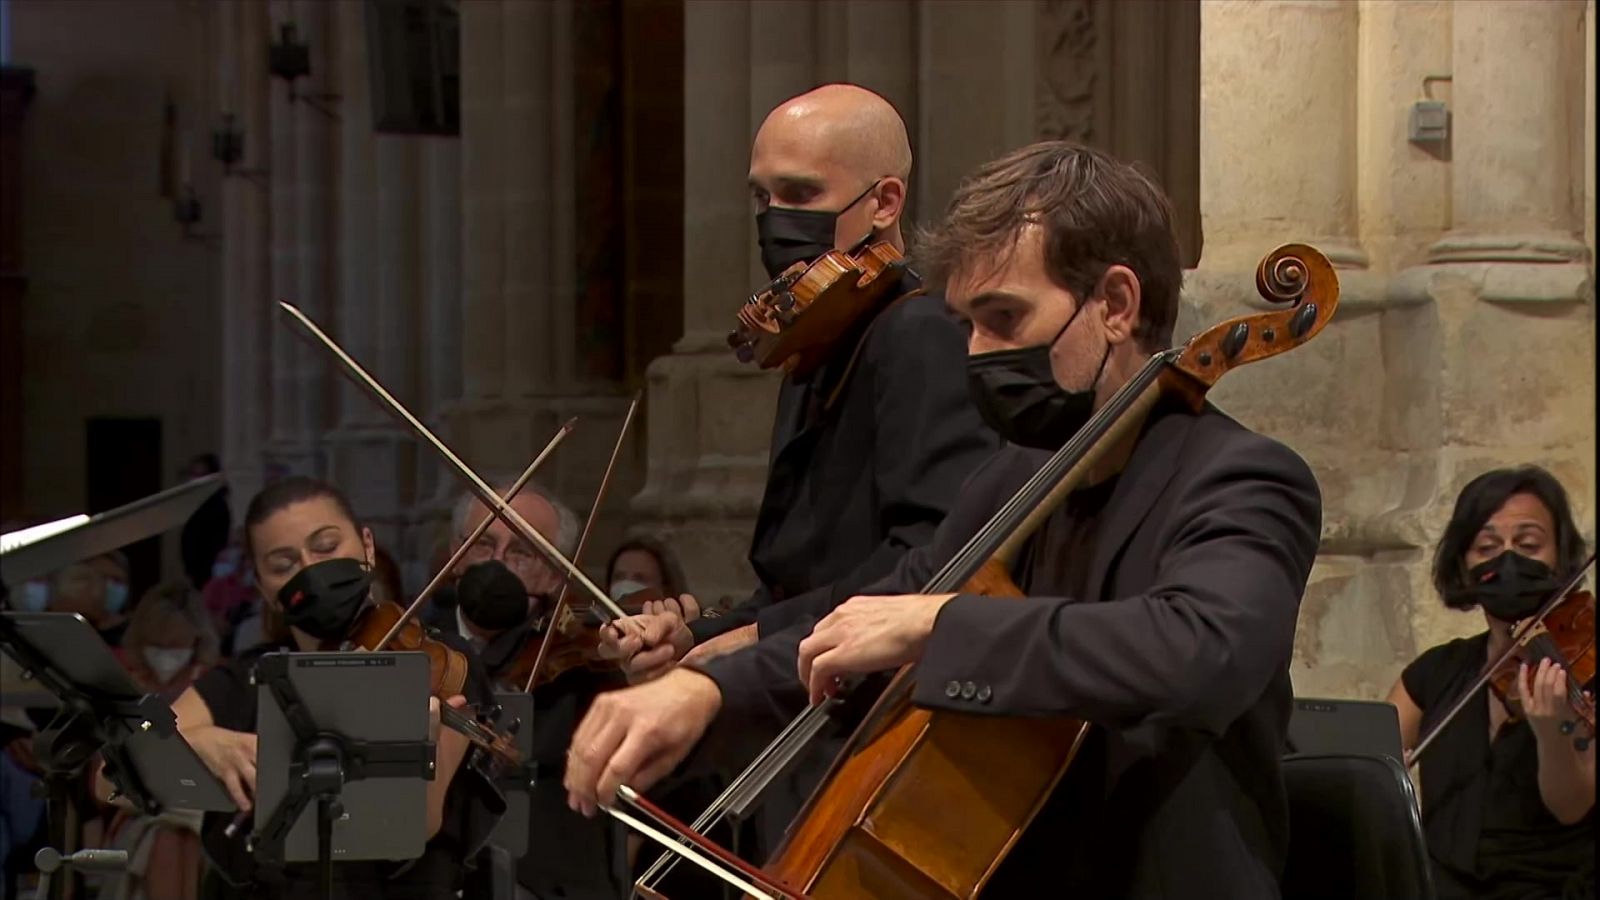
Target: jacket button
pixel 984 694
pixel 968 691
pixel 952 690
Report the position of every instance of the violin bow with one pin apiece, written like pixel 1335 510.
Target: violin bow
pixel 511 517
pixel 583 541
pixel 472 538
pixel 1518 633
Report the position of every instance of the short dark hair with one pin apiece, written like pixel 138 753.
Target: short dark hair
pixel 1480 499
pixel 285 493
pixel 1096 212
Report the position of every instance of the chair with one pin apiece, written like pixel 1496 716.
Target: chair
pixel 1354 830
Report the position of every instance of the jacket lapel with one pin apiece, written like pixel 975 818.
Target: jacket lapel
pixel 1149 470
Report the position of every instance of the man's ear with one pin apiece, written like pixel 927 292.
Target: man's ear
pixel 1120 288
pixel 891 196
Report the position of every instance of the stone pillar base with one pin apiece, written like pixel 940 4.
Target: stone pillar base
pixel 710 421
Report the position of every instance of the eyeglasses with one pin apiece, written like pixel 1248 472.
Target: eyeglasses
pixel 518 558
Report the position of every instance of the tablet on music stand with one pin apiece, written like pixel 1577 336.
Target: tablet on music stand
pixel 349 730
pixel 146 758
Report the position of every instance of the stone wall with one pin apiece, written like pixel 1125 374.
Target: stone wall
pixel 451 268
pixel 120 314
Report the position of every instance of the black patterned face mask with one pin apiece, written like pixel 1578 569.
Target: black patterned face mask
pixel 324 599
pixel 1510 587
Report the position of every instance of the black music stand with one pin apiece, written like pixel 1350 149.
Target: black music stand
pixel 95 715
pixel 345 737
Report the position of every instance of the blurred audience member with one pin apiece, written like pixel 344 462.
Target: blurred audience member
pixel 97 590
pixel 640 563
pixel 170 640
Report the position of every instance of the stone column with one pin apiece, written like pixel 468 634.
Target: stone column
pixel 710 418
pixel 440 343
pixel 247 410
pixel 1509 286
pixel 1278 164
pixel 521 376
pixel 371 456
pixel 285 445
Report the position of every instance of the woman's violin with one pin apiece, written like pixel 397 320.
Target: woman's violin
pixel 447 671
pixel 798 316
pixel 1565 636
pixel 1561 631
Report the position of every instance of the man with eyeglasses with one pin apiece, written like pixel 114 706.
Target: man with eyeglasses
pixel 505 591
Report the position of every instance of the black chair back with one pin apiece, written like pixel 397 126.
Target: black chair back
pixel 1354 830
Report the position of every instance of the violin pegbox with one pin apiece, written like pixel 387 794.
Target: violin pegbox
pixel 1295 275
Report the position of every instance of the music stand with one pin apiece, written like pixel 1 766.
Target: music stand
pixel 104 532
pixel 102 710
pixel 40 550
pixel 511 832
pixel 343 736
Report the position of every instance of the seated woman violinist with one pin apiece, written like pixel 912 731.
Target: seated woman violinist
pixel 298 531
pixel 1507 801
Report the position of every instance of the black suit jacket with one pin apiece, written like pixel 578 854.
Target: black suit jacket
pixel 851 488
pixel 1178 650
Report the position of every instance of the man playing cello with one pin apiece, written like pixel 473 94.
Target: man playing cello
pixel 1160 600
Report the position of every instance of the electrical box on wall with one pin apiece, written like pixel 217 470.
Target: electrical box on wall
pixel 1430 122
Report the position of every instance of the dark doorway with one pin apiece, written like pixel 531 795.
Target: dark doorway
pixel 123 458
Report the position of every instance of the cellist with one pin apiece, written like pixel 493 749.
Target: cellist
pixel 1161 598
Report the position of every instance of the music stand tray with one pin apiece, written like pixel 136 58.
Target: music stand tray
pixel 349 729
pixel 108 531
pixel 103 709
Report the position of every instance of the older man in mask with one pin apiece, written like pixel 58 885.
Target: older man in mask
pixel 504 594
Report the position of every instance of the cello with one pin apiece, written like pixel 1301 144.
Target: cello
pixel 874 828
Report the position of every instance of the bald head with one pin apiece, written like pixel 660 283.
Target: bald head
pixel 848 126
pixel 823 149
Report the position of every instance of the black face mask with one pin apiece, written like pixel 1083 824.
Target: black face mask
pixel 788 236
pixel 324 599
pixel 492 597
pixel 1017 395
pixel 1509 587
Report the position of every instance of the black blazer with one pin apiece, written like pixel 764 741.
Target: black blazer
pixel 1178 649
pixel 851 488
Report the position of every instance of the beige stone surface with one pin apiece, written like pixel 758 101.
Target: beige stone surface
pixel 1465 338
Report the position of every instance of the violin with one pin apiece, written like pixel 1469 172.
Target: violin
pixel 795 320
pixel 1565 636
pixel 1561 631
pixel 574 645
pixel 447 671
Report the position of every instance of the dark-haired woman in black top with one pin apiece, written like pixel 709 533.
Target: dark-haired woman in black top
pixel 1507 805
pixel 293 526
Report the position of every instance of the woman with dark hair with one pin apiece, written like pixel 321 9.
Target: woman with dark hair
pixel 1507 804
pixel 643 562
pixel 298 533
